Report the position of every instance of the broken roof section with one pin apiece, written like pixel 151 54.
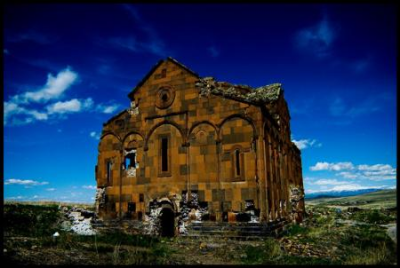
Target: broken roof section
pixel 258 96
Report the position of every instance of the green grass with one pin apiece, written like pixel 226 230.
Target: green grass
pixel 30 220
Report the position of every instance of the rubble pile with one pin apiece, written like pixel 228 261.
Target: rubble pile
pixel 100 198
pixel 260 95
pixel 296 198
pixel 78 220
pixel 151 222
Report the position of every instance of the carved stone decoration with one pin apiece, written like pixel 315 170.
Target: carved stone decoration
pixel 134 109
pixel 165 97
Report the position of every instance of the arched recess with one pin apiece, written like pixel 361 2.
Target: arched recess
pixel 165 157
pixel 108 157
pixel 238 116
pixel 165 122
pixel 108 170
pixel 237 135
pixel 133 164
pixel 203 154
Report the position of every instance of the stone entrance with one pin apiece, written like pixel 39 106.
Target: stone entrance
pixel 167 222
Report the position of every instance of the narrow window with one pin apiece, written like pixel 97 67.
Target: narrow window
pixel 164 154
pixel 109 170
pixel 131 207
pixel 140 215
pixel 141 197
pixel 237 162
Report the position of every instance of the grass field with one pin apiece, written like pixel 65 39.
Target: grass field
pixel 327 236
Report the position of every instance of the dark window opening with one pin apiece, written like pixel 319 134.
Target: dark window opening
pixel 164 97
pixel 130 160
pixel 140 215
pixel 109 170
pixel 141 197
pixel 131 207
pixel 164 154
pixel 237 163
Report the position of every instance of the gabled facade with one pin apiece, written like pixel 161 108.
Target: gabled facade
pixel 191 148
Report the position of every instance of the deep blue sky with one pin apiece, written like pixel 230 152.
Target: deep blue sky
pixel 69 67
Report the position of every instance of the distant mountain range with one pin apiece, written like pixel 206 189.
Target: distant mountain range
pixel 343 193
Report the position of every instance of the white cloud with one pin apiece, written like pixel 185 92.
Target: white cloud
pixel 332 166
pixel 347 175
pixel 91 187
pixel 71 106
pixel 51 189
pixel 348 170
pixel 306 143
pixel 329 182
pixel 54 88
pixel 24 182
pixel 95 135
pixel 107 109
pixel 18 109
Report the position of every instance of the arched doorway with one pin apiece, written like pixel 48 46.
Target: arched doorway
pixel 167 222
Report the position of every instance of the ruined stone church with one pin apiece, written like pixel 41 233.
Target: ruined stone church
pixel 193 149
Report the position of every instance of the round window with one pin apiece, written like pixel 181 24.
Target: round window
pixel 165 97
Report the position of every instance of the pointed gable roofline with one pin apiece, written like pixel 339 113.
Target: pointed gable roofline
pixel 130 95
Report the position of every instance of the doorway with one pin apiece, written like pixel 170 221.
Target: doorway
pixel 167 222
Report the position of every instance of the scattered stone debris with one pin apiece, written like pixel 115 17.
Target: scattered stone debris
pixel 260 95
pixel 78 220
pixel 100 198
pixel 297 200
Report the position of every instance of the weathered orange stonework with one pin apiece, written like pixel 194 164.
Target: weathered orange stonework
pixel 192 148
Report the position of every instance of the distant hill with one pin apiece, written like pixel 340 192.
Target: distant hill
pixel 372 200
pixel 334 194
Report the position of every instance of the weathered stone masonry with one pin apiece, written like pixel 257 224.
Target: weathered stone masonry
pixel 194 149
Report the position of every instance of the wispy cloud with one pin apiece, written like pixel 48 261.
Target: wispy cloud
pixel 18 109
pixel 24 182
pixel 39 105
pixel 94 135
pixel 306 143
pixel 107 109
pixel 71 106
pixel 348 170
pixel 32 36
pixel 339 108
pixel 50 189
pixel 53 89
pixel 90 187
pixel 332 166
pixel 149 40
pixel 317 39
pixel 214 52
